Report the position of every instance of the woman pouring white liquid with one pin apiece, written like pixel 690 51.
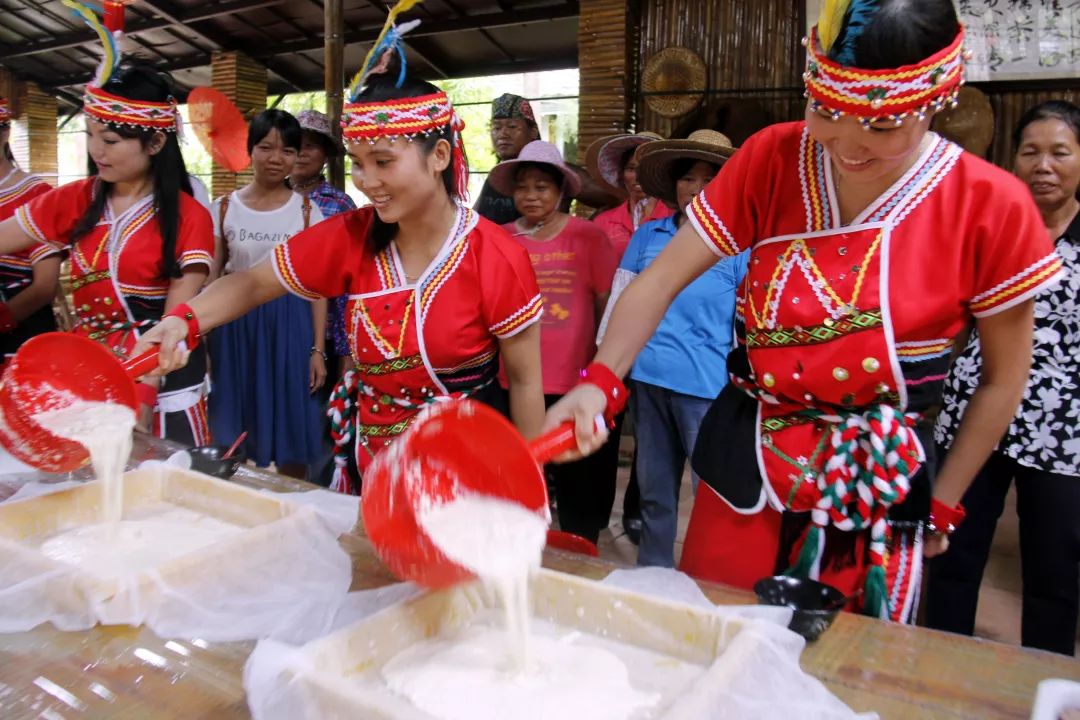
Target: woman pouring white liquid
pixel 873 243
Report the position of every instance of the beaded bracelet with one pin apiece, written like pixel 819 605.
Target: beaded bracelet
pixel 944 519
pixel 317 350
pixel 7 319
pixel 609 383
pixel 185 313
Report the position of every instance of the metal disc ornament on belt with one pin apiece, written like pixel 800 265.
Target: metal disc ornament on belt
pixel 453 449
pixel 51 371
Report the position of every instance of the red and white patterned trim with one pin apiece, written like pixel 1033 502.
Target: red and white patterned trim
pixel 1021 286
pixel 115 110
pixel 287 276
pixel 196 257
pixel 520 319
pixel 887 94
pixel 28 226
pixel 41 251
pixel 711 228
pixel 5 112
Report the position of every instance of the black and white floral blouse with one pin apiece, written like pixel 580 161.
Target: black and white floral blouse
pixel 1045 434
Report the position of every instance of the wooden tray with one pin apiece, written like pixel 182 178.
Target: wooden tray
pixel 25 523
pixel 341 673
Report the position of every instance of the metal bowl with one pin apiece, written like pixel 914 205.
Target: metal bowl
pixel 207 459
pixel 815 604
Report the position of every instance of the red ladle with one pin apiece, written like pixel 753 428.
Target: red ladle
pixel 458 447
pixel 50 372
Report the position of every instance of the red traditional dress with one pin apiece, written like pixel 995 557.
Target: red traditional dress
pixel 415 344
pixel 119 286
pixel 17 270
pixel 844 335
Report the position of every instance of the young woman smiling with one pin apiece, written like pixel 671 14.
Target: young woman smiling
pixel 436 294
pixel 140 243
pixel 268 363
pixel 873 243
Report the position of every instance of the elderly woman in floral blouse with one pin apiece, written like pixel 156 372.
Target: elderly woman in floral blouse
pixel 1041 450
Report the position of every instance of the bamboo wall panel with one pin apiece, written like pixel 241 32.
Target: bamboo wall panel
pixel 606 32
pixel 751 48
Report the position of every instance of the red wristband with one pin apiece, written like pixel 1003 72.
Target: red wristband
pixel 147 394
pixel 945 519
pixel 7 319
pixel 616 393
pixel 185 313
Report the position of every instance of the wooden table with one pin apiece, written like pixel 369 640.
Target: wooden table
pixel 900 672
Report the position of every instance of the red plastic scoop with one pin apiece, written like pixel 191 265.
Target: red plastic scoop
pixel 459 447
pixel 52 371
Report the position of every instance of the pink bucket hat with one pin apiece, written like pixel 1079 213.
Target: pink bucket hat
pixel 502 177
pixel 314 121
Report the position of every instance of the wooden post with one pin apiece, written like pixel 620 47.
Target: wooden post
pixel 334 78
pixel 243 81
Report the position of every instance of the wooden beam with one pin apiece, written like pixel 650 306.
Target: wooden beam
pixel 438 27
pixel 333 79
pixel 205 11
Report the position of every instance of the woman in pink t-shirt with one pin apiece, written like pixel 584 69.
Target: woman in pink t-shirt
pixel 574 263
pixel 613 162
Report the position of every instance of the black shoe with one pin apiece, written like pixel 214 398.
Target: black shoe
pixel 632 526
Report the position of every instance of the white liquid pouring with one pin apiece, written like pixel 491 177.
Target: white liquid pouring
pixel 104 429
pixel 476 674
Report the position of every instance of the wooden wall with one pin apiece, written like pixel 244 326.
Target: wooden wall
pixel 751 48
pixel 606 45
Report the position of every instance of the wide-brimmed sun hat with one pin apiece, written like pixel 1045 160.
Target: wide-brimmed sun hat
pixel 604 155
pixel 503 176
pixel 658 160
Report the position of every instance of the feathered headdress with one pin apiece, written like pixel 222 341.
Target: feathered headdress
pixel 111 108
pixel 405 117
pixel 834 83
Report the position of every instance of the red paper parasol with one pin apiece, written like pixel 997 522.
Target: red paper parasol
pixel 220 127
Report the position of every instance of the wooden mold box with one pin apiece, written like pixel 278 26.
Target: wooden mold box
pixel 341 673
pixel 24 524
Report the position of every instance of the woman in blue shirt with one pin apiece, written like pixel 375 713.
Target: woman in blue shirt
pixel 684 365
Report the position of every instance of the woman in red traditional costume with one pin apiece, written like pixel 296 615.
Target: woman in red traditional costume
pixel 140 243
pixel 437 294
pixel 873 243
pixel 28 278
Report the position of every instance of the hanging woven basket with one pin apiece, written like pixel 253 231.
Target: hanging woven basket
pixel 678 70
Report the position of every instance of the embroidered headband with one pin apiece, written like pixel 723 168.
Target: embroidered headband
pixel 5 112
pixel 890 94
pixel 114 109
pixel 402 117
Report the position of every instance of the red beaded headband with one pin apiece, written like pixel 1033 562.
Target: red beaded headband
pixel 408 118
pixel 891 94
pixel 115 110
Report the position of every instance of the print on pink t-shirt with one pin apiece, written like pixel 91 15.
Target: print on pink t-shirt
pixel 573 269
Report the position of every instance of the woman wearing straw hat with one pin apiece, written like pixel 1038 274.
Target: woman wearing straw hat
pixel 612 161
pixel 874 242
pixel 574 264
pixel 683 367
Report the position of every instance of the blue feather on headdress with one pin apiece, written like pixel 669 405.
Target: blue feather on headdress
pixel 859 16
